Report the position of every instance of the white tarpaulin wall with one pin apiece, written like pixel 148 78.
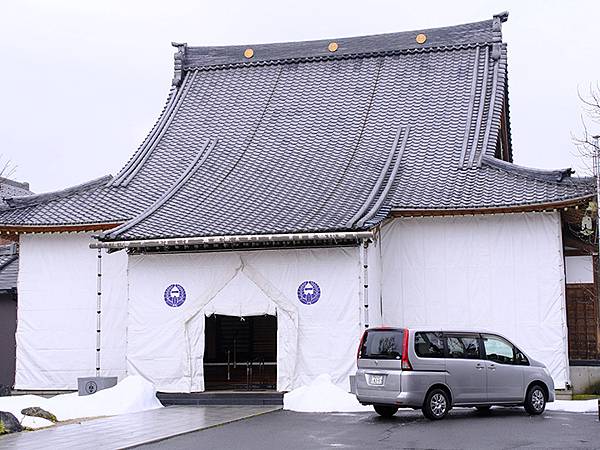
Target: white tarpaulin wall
pixel 502 273
pixel 166 343
pixel 56 328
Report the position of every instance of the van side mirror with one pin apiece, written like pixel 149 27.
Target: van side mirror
pixel 520 358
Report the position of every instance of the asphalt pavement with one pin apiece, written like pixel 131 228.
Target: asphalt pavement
pixel 461 429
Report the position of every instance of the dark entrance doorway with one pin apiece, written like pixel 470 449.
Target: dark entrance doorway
pixel 240 353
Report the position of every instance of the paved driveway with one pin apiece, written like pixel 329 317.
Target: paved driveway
pixel 501 428
pixel 130 429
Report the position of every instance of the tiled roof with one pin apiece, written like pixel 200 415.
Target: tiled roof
pixel 495 184
pixel 300 138
pixel 9 267
pixel 9 272
pixel 10 188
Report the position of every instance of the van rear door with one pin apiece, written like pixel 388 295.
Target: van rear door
pixel 381 348
pixel 380 363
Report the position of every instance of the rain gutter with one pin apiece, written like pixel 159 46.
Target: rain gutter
pixel 212 240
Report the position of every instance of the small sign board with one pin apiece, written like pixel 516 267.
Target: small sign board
pixel 91 385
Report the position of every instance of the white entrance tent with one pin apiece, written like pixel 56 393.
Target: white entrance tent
pixel 166 344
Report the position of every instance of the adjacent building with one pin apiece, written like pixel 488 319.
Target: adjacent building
pixel 9 267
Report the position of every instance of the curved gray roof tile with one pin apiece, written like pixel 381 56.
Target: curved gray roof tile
pixel 307 140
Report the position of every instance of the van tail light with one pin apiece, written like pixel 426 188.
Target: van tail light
pixel 405 361
pixel 360 344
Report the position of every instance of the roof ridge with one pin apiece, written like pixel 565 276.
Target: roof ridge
pixel 175 99
pixel 487 31
pixel 319 58
pixel 141 150
pixel 547 175
pixel 377 187
pixel 31 200
pixel 388 186
pixel 207 148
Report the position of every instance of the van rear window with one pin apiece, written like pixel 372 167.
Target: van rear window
pixel 382 344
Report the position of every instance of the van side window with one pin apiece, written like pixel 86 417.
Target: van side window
pixel 498 350
pixel 429 345
pixel 464 347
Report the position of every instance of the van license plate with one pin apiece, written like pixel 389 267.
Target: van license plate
pixel 376 380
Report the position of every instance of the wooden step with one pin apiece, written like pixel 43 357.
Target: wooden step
pixel 221 398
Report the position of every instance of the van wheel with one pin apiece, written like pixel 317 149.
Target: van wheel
pixel 385 411
pixel 535 400
pixel 437 404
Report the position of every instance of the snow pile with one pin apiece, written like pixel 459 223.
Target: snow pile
pixel 581 406
pixel 133 394
pixel 35 422
pixel 322 396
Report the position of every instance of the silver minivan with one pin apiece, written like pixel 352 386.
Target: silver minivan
pixel 436 370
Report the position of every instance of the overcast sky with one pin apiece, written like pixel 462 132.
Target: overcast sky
pixel 82 82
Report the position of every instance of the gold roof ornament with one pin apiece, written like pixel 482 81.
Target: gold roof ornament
pixel 421 38
pixel 332 47
pixel 248 53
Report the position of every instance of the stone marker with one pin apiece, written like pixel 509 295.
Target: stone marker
pixel 9 423
pixel 39 412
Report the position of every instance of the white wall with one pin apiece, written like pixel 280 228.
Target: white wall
pixel 56 329
pixel 166 344
pixel 502 273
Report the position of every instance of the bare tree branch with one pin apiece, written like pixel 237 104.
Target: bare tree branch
pixel 586 145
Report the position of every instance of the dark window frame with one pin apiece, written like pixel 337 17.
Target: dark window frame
pixel 381 356
pixel 475 336
pixel 441 335
pixel 515 351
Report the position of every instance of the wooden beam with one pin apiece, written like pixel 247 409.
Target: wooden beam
pixel 492 210
pixel 6 230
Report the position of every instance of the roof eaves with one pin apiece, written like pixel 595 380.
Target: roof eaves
pixel 63 227
pixel 496 209
pixel 552 176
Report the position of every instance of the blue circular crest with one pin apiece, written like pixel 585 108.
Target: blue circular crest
pixel 175 295
pixel 309 292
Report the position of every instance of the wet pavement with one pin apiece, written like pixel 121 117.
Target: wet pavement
pixel 461 429
pixel 130 430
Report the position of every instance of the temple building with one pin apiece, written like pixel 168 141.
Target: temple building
pixel 290 195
